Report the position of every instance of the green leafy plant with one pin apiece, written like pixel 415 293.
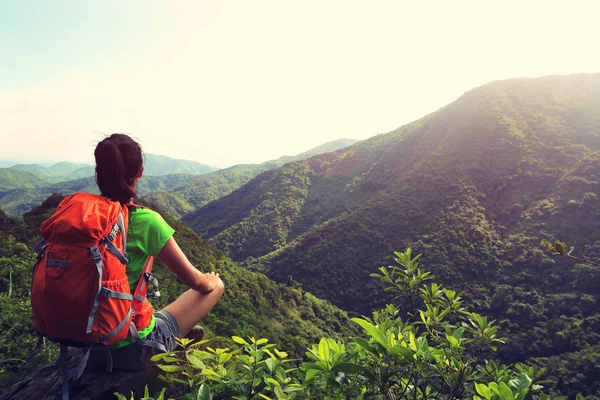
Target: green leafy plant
pixel 437 351
pixel 161 395
pixel 255 370
pixel 559 248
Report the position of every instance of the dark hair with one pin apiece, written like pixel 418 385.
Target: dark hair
pixel 119 159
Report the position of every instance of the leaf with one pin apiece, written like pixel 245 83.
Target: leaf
pixel 208 371
pixel 505 391
pixel 273 382
pixel 160 356
pixel 560 246
pixel 494 387
pixel 280 354
pixel 403 350
pixel 223 358
pixel 351 368
pixel 270 364
pixel 520 384
pixel 203 392
pixel 161 395
pixel 365 345
pixel 313 366
pixel 239 340
pixel 279 392
pixel 411 338
pixel 119 396
pixel 294 387
pixel 458 333
pixel 310 374
pixel 262 341
pixel 453 341
pixel 195 362
pixel 372 330
pixel 483 390
pixel 171 368
pixel 324 349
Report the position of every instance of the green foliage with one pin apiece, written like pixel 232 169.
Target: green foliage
pixel 182 200
pixel 473 187
pixel 559 248
pixel 394 359
pixel 16 338
pixel 161 395
pixel 256 370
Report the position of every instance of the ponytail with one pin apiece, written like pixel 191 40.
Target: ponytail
pixel 118 161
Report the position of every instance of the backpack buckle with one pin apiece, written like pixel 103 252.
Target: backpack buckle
pixel 154 282
pixel 96 254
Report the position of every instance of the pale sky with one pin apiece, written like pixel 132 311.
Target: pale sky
pixel 229 82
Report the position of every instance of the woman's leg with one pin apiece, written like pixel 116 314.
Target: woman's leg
pixel 192 306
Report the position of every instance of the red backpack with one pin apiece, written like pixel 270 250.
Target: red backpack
pixel 80 294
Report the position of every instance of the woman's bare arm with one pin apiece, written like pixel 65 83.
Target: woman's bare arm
pixel 174 258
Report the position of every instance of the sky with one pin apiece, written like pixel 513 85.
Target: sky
pixel 231 82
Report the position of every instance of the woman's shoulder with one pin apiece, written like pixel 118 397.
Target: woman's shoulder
pixel 144 215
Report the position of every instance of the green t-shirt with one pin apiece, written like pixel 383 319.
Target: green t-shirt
pixel 147 234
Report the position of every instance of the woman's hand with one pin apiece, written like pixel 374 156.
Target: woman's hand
pixel 177 262
pixel 213 280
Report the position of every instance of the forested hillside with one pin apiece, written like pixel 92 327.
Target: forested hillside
pixel 176 186
pixel 190 196
pixel 252 306
pixel 473 186
pixel 155 165
pixel 24 186
pixel 21 191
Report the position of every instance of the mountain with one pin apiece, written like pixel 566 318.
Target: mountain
pixel 23 186
pixel 12 178
pixel 473 186
pixel 35 169
pixel 17 198
pixel 177 186
pixel 184 199
pixel 66 168
pixel 157 165
pixel 324 148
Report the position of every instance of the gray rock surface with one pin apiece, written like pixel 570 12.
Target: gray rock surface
pixel 95 384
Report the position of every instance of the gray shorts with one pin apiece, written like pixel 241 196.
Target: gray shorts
pixel 135 356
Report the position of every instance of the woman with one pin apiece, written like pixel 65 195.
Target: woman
pixel 119 166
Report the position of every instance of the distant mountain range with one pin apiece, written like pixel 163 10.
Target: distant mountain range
pixel 185 198
pixel 165 182
pixel 155 165
pixel 473 186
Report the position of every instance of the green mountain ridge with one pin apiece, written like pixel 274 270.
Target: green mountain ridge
pixel 177 186
pixel 155 165
pixel 182 200
pixel 473 186
pixel 159 165
pixel 17 198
